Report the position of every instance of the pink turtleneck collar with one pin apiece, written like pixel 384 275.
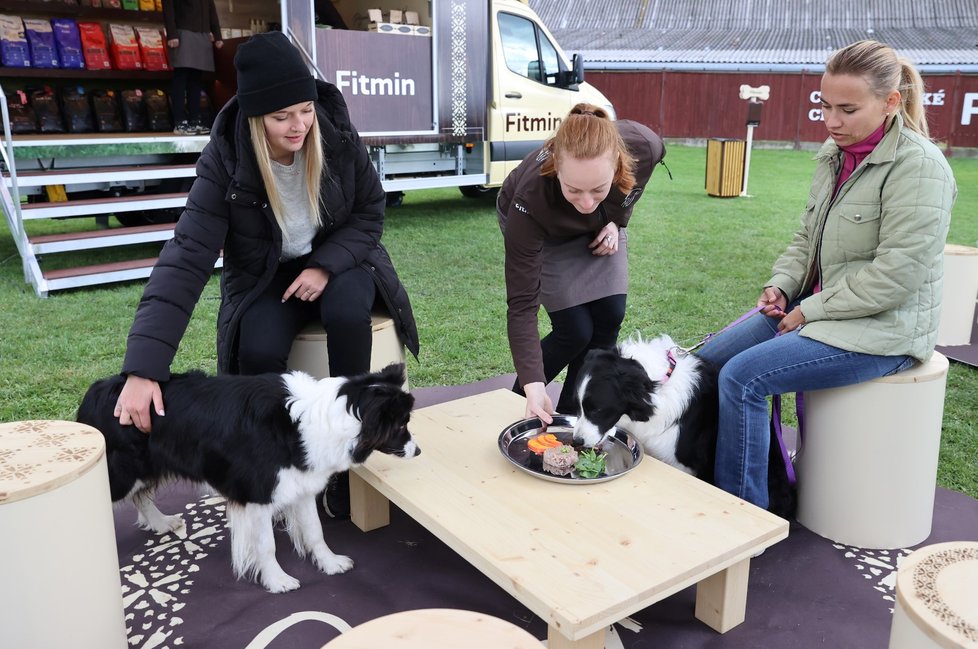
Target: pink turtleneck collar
pixel 853 154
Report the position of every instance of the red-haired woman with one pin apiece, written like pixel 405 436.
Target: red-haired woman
pixel 563 213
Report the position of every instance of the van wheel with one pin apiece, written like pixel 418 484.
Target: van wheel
pixel 478 191
pixel 395 199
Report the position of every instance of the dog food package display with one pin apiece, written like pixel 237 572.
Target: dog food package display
pixel 14 52
pixel 151 49
pixel 46 111
pixel 157 110
pixel 133 111
pixel 40 38
pixel 68 41
pixel 21 114
pixel 76 110
pixel 131 5
pixel 112 4
pixel 105 106
pixel 94 47
pixel 125 49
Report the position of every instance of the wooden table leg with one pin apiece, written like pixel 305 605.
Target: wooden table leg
pixel 369 509
pixel 721 599
pixel 557 640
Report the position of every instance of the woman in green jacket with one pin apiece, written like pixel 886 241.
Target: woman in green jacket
pixel 857 294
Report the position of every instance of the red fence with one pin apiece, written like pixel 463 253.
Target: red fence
pixel 707 105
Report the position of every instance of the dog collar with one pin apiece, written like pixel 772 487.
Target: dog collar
pixel 672 365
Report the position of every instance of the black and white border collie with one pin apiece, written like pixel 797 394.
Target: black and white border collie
pixel 669 400
pixel 267 443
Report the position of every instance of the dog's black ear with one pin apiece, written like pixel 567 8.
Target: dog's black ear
pixel 637 395
pixel 393 374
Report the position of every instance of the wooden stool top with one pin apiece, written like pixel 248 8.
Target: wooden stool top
pixel 955 249
pixel 40 456
pixel 933 369
pixel 435 628
pixel 937 587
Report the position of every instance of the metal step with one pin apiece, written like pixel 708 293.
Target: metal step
pixel 98 174
pixel 89 240
pixel 95 206
pixel 65 278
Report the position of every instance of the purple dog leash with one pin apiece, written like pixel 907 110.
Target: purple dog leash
pixel 775 402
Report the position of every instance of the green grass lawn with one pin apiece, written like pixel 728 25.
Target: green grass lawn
pixel 697 263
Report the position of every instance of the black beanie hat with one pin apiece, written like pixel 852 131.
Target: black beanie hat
pixel 271 75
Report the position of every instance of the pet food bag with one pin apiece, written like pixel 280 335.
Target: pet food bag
pixel 40 38
pixel 133 111
pixel 95 50
pixel 112 4
pixel 147 5
pixel 125 49
pixel 151 49
pixel 14 51
pixel 91 3
pixel 76 110
pixel 105 106
pixel 68 41
pixel 46 111
pixel 22 118
pixel 131 5
pixel 158 110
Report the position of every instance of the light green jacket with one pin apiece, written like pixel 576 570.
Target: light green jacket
pixel 879 248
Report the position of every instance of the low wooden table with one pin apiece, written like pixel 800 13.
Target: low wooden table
pixel 580 557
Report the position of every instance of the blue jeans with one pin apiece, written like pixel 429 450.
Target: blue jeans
pixel 756 364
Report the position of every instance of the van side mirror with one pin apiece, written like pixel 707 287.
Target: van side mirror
pixel 577 63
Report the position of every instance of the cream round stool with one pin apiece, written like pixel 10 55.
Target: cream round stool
pixel 309 348
pixel 960 294
pixel 58 552
pixel 867 469
pixel 937 598
pixel 435 628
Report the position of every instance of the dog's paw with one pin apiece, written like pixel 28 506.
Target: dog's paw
pixel 281 583
pixel 333 564
pixel 161 524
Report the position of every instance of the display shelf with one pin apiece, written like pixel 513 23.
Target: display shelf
pixel 64 10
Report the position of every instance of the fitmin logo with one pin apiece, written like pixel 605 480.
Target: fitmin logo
pixel 517 123
pixel 354 83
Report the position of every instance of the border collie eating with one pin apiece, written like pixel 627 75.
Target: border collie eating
pixel 669 400
pixel 267 443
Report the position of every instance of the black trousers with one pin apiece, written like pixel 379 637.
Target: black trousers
pixel 269 326
pixel 185 95
pixel 574 332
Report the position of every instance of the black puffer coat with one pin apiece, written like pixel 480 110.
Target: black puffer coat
pixel 228 210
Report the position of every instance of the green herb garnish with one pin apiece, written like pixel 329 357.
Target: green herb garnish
pixel 590 464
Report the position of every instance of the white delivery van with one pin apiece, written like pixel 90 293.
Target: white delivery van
pixel 445 93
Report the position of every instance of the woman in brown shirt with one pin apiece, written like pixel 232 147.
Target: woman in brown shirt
pixel 563 214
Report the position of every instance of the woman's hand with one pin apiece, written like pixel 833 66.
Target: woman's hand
pixel 793 320
pixel 606 243
pixel 137 394
pixel 772 302
pixel 174 43
pixel 538 403
pixel 308 286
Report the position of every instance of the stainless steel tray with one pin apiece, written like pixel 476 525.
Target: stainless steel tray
pixel 624 451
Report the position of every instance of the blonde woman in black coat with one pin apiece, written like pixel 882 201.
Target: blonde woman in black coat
pixel 287 191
